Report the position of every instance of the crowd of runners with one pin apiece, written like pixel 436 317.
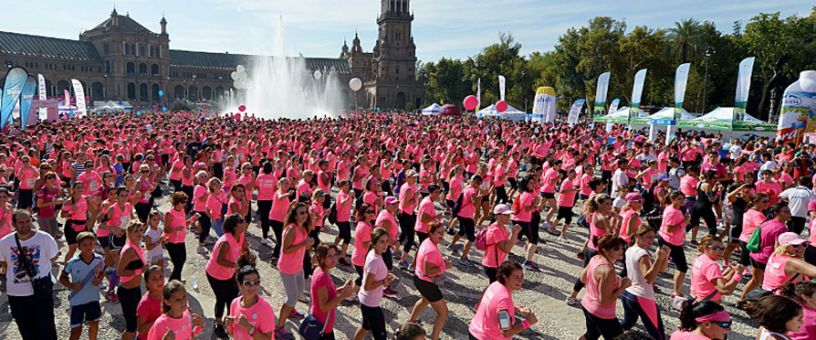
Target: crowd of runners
pixel 80 198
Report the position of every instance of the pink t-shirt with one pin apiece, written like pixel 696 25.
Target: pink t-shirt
pixel 374 264
pixel 688 185
pixel 493 255
pixel 292 263
pixel 362 234
pixel 775 276
pixel 280 206
pixel 808 328
pixel 566 200
pixel 704 272
pixel 182 327
pixel 485 324
pixel 456 188
pixel 751 219
pixel 592 299
pixel 214 204
pixel 149 309
pixel 261 315
pixel 525 200
pixel 178 220
pixel 28 177
pixel 393 228
pixel 405 206
pixel 322 280
pixel 549 181
pixel 626 218
pixel 266 184
pixel 429 252
pixel 343 209
pixel 468 209
pixel 673 217
pixel 425 208
pixel 218 271
pixel 199 198
pixel 769 231
pixel 683 335
pixel 773 189
pixel 586 190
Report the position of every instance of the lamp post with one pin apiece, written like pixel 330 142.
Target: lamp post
pixel 105 87
pixel 708 52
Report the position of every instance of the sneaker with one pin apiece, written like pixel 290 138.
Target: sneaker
pixel 344 262
pixel 580 256
pixel 304 298
pixel 553 232
pixel 694 243
pixel 451 231
pixel 281 333
pixel 220 332
pixel 531 266
pixel 396 254
pixel 295 315
pixel 571 301
pixel 404 265
pixel 111 297
pixel 202 250
pixel 467 262
pixel 411 268
pixel 454 250
pixel 391 293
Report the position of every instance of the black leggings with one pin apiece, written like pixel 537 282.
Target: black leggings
pixel 277 228
pixel 129 299
pixel 406 236
pixel 374 321
pixel 501 195
pixel 189 191
pixel 677 254
pixel 178 254
pixel 225 291
pixel 206 224
pixel 263 211
pixel 708 217
pixel 143 211
pixel 597 327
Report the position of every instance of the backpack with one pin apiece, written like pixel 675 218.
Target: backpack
pixel 516 204
pixel 481 239
pixel 333 213
pixel 755 242
pixel 458 205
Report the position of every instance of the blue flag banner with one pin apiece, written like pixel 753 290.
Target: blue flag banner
pixel 15 80
pixel 26 99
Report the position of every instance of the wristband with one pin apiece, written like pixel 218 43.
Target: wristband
pixel 525 324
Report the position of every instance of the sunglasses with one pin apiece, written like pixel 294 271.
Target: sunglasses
pixel 725 324
pixel 251 283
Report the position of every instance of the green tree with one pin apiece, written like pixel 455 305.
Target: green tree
pixel 685 38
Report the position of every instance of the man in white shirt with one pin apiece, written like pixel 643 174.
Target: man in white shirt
pixel 33 313
pixel 620 181
pixel 798 198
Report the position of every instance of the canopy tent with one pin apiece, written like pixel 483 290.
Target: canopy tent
pixel 721 119
pixel 665 114
pixel 511 113
pixel 450 110
pixel 432 110
pixel 112 106
pixel 620 117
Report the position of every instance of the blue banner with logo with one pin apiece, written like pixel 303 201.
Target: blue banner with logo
pixel 15 80
pixel 26 99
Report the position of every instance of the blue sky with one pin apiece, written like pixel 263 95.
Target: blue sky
pixel 442 28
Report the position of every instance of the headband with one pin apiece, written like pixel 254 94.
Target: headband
pixel 721 316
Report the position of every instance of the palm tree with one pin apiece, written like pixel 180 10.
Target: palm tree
pixel 685 35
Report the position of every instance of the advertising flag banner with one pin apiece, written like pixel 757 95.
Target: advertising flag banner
pixel 26 98
pixel 575 111
pixel 42 93
pixel 79 93
pixel 478 94
pixel 637 91
pixel 746 67
pixel 15 80
pixel 601 89
pixel 680 81
pixel 501 87
pixel 614 105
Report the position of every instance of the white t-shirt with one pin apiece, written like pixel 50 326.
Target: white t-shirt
pixel 43 248
pixel 798 198
pixel 619 180
pixel 639 285
pixel 154 254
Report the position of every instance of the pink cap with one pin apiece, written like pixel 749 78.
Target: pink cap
pixel 391 200
pixel 502 209
pixel 790 238
pixel 633 197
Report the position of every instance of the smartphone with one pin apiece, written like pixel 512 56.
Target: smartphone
pixel 504 319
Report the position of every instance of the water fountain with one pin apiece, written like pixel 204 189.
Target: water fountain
pixel 279 86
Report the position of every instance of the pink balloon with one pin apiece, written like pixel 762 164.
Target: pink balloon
pixel 470 102
pixel 237 116
pixel 501 106
pixel 242 108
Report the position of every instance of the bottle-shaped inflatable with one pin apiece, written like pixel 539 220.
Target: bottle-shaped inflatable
pixel 797 117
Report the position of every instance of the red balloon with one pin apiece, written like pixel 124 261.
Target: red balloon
pixel 470 102
pixel 242 108
pixel 501 106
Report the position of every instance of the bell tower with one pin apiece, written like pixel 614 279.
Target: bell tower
pixel 394 58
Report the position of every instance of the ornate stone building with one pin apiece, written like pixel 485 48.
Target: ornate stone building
pixel 122 60
pixel 389 72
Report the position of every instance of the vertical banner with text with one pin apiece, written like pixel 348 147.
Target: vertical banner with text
pixel 601 88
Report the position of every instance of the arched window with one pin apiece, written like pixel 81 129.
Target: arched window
pixel 143 92
pixel 155 92
pixel 131 68
pixel 131 91
pixel 142 68
pixel 206 93
pixel 178 92
pixel 154 69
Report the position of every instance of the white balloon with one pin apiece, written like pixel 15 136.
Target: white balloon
pixel 318 74
pixel 355 84
pixel 240 68
pixel 241 75
pixel 234 75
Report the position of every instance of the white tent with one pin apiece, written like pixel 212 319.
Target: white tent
pixel 621 116
pixel 112 106
pixel 668 113
pixel 432 110
pixel 721 119
pixel 511 113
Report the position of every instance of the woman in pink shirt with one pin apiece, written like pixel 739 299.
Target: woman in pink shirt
pixel 75 212
pixel 200 196
pixel 630 216
pixel 708 280
pixel 176 321
pixel 375 278
pixel 343 206
pixel 769 231
pixel 296 241
pixel 672 233
pixel 496 314
pixel 366 216
pixel 786 264
pixel 129 268
pixel 603 288
pixel 805 294
pixel 499 241
pixel 430 271
pixel 175 228
pixel 266 183
pixel 326 297
pixel 250 316
pixel 602 221
pixel 702 321
pixel 277 214
pixel 149 308
pixel 222 265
